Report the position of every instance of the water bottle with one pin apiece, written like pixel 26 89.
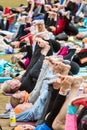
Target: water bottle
pixel 12 118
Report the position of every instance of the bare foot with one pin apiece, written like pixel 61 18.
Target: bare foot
pixel 52 61
pixel 77 81
pixel 61 68
pixel 66 82
pixel 57 83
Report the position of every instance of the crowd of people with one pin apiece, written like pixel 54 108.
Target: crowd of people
pixel 47 90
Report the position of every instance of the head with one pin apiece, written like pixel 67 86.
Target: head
pixel 40 26
pixel 10 86
pixel 1 8
pixel 78 48
pixel 17 98
pixel 6 10
pixel 79 36
pixel 5 88
pixel 30 1
pixel 22 19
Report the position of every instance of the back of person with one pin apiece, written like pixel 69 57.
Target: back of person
pixel 80 118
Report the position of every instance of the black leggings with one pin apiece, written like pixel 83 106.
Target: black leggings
pixel 28 82
pixel 59 101
pixel 74 66
pixel 70 29
pixel 71 52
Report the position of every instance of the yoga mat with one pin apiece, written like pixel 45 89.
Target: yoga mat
pixel 82 74
pixel 83 68
pixel 80 29
pixel 8 94
pixel 3 79
pixel 29 123
pixel 8 106
pixel 2 53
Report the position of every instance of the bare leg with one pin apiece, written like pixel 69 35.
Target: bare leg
pixel 59 121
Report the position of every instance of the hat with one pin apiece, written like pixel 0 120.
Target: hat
pixel 39 21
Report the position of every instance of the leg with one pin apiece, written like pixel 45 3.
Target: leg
pixel 60 118
pixel 71 29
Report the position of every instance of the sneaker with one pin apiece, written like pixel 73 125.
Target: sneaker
pixel 82 100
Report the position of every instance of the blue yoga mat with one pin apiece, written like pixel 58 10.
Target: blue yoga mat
pixel 2 53
pixel 83 69
pixel 3 79
pixel 82 74
pixel 80 29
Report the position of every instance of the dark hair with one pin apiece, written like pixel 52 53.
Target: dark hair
pixel 21 5
pixel 14 10
pixel 1 8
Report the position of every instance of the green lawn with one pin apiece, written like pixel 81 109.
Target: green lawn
pixel 12 3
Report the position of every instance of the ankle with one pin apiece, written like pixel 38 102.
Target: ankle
pixel 45 50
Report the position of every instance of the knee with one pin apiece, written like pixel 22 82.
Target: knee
pixel 58 125
pixel 74 67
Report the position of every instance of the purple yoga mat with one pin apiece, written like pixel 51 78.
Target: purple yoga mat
pixel 8 106
pixel 29 123
pixel 8 94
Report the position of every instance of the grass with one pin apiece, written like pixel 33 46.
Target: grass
pixel 12 3
pixel 4 122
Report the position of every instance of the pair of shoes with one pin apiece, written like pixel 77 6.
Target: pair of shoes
pixel 82 100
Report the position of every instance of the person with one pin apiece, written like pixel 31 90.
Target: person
pixel 10 86
pixel 36 110
pixel 81 57
pixel 71 114
pixel 24 93
pixel 81 35
pixel 1 20
pixel 40 55
pixel 29 9
pixel 59 101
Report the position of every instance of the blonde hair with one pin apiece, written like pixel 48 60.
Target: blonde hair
pixel 5 88
pixel 14 101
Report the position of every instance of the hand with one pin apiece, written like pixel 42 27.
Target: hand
pixel 27 29
pixel 52 28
